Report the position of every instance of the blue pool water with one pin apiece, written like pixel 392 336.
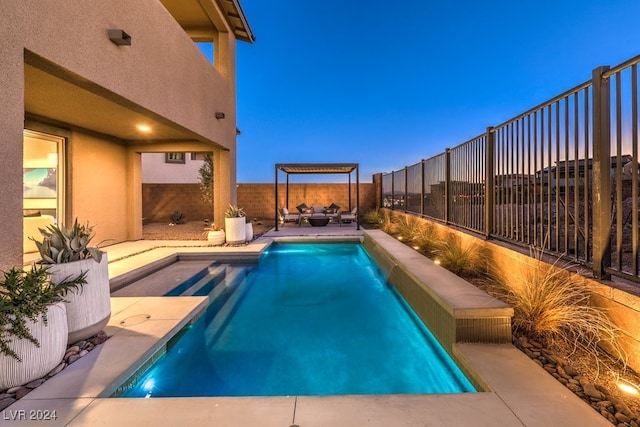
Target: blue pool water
pixel 311 319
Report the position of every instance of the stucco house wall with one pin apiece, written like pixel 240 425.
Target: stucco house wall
pixel 60 70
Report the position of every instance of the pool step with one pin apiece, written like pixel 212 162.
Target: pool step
pixel 215 275
pixel 224 301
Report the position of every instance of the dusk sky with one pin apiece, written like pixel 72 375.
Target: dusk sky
pixel 351 81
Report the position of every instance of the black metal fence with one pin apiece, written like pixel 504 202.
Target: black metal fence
pixel 562 177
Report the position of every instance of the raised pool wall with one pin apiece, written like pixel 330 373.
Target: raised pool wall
pixel 453 309
pixel 621 300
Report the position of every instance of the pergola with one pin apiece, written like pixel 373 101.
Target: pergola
pixel 317 168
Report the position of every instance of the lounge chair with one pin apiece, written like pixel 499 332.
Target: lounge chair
pixel 347 217
pixel 289 217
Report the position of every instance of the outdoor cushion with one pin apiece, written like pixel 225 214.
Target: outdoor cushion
pixel 330 211
pixel 285 211
pixel 307 211
pixel 318 209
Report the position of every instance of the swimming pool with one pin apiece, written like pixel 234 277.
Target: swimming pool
pixel 310 319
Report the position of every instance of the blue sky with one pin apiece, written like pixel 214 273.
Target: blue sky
pixel 388 85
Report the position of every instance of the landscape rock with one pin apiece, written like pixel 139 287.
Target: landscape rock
pixel 22 392
pixel 570 370
pixel 57 369
pixel 35 383
pixel 73 358
pixel 4 403
pixel 622 408
pixel 609 416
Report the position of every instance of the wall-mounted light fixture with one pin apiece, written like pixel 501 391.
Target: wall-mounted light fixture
pixel 120 38
pixel 219 115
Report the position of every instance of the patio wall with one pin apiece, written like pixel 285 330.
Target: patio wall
pixel 160 200
pixel 258 199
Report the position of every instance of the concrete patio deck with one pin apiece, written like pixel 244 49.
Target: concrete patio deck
pixel 521 393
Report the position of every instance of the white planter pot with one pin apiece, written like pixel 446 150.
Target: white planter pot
pixel 248 231
pixel 36 361
pixel 88 308
pixel 235 230
pixel 216 237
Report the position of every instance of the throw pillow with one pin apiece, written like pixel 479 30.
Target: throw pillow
pixel 334 207
pixel 301 207
pixel 285 211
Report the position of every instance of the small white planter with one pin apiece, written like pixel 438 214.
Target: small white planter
pixel 235 230
pixel 36 361
pixel 248 231
pixel 216 237
pixel 88 308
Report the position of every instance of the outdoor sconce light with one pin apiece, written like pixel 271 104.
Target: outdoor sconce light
pixel 219 115
pixel 120 38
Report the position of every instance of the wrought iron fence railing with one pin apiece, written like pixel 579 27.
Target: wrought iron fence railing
pixel 562 177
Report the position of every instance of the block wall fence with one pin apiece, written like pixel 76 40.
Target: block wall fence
pixel 257 200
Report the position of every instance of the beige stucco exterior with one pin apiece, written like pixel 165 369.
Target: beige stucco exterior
pixel 61 73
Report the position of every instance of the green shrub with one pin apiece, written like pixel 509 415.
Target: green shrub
pixel 27 295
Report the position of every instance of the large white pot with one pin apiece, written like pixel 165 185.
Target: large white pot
pixel 235 230
pixel 88 308
pixel 36 361
pixel 248 231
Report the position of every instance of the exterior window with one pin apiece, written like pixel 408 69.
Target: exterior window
pixel 174 158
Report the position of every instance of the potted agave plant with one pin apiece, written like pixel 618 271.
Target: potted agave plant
pixel 33 324
pixel 67 252
pixel 234 225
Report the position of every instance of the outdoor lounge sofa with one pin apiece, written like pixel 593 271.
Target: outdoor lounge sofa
pixel 332 211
